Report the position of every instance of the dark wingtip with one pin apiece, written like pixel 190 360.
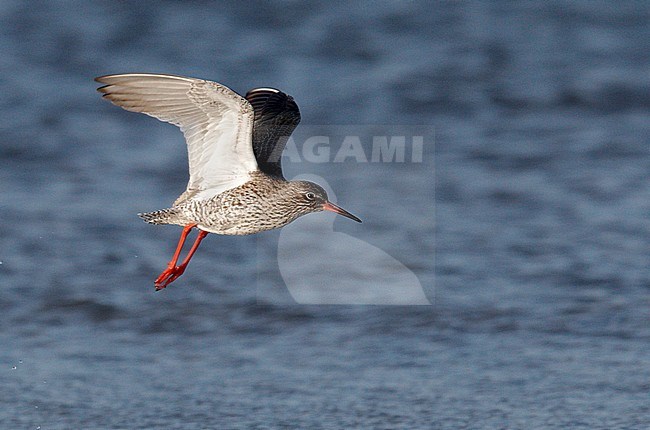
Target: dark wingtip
pixel 258 97
pixel 271 102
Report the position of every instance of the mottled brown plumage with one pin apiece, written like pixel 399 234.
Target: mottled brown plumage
pixel 263 203
pixel 236 185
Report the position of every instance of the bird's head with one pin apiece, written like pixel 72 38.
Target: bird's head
pixel 310 197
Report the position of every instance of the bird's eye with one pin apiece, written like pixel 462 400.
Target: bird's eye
pixel 310 196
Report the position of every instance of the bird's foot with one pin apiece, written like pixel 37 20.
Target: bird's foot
pixel 168 276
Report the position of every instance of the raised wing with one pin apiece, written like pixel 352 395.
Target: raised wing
pixel 216 121
pixel 276 116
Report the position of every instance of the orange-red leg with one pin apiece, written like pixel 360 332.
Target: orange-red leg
pixel 181 242
pixel 172 272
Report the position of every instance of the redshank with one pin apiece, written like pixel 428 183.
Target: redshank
pixel 234 143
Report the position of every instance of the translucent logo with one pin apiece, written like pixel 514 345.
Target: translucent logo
pixel 321 266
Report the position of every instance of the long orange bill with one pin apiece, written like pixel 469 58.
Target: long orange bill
pixel 327 206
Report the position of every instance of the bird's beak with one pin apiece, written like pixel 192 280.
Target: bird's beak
pixel 327 206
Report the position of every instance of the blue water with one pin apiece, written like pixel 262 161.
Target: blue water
pixel 527 224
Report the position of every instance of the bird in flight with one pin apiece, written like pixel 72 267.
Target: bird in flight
pixel 234 143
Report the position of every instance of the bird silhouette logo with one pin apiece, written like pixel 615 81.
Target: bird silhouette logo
pixel 337 268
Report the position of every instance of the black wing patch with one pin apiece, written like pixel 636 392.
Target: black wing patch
pixel 276 116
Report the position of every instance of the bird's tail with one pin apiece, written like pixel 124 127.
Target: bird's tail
pixel 163 216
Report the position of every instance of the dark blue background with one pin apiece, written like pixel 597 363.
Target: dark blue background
pixel 537 262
